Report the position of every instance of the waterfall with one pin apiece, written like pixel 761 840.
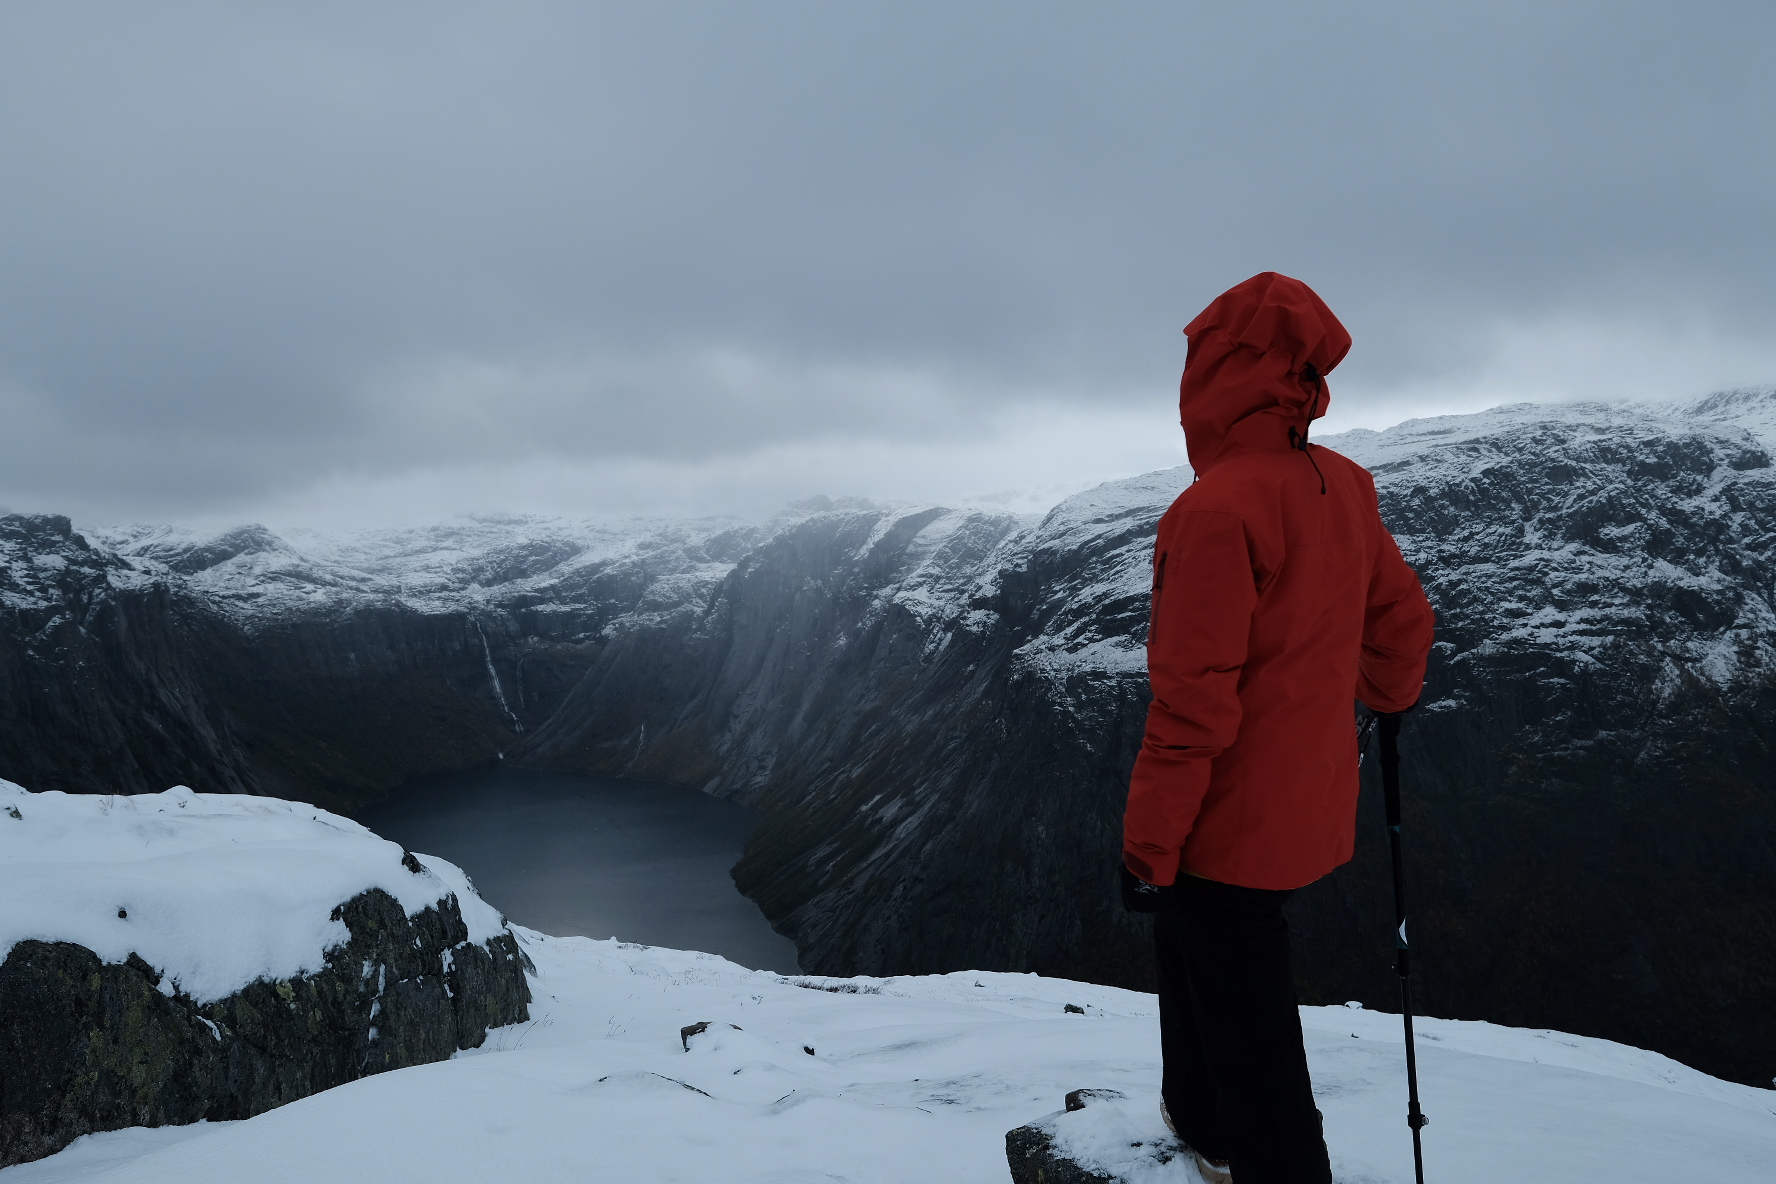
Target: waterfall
pixel 493 677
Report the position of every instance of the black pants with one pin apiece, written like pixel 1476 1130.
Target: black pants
pixel 1236 1080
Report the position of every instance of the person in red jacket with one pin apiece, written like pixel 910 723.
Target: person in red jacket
pixel 1278 598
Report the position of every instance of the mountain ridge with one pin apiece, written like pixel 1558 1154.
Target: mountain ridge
pixel 936 709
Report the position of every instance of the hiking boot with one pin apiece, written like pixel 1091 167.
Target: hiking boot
pixel 1213 1171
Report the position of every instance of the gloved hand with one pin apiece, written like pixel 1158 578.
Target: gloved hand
pixel 1138 896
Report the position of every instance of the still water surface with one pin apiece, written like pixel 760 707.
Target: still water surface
pixel 593 856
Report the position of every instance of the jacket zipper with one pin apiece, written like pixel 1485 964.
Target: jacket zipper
pixel 1159 579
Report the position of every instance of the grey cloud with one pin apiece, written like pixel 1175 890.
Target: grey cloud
pixel 244 247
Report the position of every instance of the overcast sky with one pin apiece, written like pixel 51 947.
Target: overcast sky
pixel 377 261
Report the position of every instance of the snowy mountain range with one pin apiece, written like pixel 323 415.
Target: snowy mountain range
pixel 936 710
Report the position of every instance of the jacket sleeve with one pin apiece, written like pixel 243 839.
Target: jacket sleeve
pixel 1398 625
pixel 1204 594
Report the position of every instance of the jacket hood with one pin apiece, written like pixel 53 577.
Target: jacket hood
pixel 1262 347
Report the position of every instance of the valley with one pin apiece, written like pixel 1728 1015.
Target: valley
pixel 934 710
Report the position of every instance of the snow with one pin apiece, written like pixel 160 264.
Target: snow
pixel 919 1079
pixel 1051 657
pixel 1752 409
pixel 213 890
pixel 1112 506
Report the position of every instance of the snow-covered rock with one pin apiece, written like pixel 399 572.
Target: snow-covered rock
pixel 176 956
pixel 213 891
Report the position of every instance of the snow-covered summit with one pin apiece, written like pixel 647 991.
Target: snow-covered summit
pixel 1751 408
pixel 213 891
pixel 1743 417
pixel 48 569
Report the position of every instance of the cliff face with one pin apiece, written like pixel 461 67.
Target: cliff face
pixel 1592 795
pixel 236 663
pixel 936 710
pixel 101 678
pixel 937 713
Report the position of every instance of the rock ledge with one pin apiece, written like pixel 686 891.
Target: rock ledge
pixel 89 1046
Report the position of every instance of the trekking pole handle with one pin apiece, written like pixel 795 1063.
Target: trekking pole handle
pixel 1390 768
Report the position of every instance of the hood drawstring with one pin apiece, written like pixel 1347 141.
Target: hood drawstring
pixel 1298 437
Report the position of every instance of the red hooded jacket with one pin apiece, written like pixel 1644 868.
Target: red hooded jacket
pixel 1278 596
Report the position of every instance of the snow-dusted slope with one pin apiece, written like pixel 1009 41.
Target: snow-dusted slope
pixel 260 578
pixel 213 891
pixel 918 1079
pixel 322 667
pixel 1570 529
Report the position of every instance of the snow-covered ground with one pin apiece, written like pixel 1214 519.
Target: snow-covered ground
pixel 795 1080
pixel 917 1080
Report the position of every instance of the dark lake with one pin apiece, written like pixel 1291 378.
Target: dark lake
pixel 593 856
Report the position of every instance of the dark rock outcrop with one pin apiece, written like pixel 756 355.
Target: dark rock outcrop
pixel 1037 1152
pixel 1031 1155
pixel 86 1046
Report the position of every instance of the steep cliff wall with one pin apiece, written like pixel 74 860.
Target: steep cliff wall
pixel 937 712
pixel 102 683
pixel 236 663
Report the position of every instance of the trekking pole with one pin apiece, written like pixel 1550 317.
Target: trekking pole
pixel 1390 789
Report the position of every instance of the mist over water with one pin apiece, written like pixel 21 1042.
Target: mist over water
pixel 593 856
